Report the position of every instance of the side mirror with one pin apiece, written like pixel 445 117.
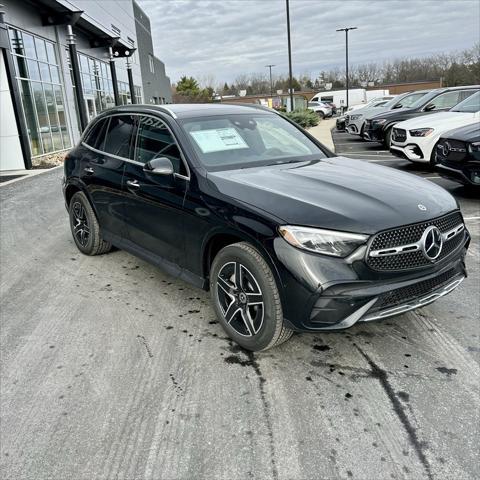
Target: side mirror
pixel 429 107
pixel 159 166
pixel 398 105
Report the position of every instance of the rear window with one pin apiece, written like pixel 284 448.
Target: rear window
pixel 96 136
pixel 119 136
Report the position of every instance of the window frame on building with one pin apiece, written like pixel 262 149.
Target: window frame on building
pixel 38 73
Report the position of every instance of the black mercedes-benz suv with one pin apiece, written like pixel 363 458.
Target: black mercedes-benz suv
pixel 378 128
pixel 286 235
pixel 457 155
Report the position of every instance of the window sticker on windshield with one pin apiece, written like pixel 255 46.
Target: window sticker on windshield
pixel 218 140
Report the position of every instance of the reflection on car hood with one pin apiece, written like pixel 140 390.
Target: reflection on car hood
pixel 368 111
pixel 441 119
pixel 336 193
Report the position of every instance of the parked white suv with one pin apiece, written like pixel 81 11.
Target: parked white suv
pixel 355 121
pixel 415 139
pixel 322 109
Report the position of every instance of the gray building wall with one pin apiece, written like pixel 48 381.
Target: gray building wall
pixel 156 85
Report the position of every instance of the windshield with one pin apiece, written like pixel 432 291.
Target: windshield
pixel 248 140
pixel 424 99
pixel 469 105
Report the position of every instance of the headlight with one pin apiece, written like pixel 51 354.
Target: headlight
pixel 327 242
pixel 421 132
pixel 474 147
pixel 356 117
pixel 380 121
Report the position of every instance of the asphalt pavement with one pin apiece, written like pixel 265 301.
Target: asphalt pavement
pixel 111 369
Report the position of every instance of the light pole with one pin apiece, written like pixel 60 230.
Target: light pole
pixel 271 83
pixel 290 79
pixel 346 29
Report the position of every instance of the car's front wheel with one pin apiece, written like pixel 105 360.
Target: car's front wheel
pixel 246 298
pixel 85 228
pixel 388 138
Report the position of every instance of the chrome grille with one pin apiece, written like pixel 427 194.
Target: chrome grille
pixel 408 235
pixel 451 150
pixel 404 294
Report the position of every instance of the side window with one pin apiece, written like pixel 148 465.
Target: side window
pixel 155 141
pixel 119 136
pixel 465 94
pixel 96 136
pixel 446 100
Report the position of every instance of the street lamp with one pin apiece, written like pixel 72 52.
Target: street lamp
pixel 290 79
pixel 271 83
pixel 346 29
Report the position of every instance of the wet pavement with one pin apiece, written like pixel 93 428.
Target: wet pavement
pixel 112 369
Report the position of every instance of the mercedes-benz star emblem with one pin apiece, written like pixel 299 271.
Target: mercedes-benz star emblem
pixel 421 207
pixel 432 242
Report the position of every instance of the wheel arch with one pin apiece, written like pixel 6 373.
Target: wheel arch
pixel 222 238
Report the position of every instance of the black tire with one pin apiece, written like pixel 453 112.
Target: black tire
pixel 433 157
pixel 321 114
pixel 388 138
pixel 254 327
pixel 85 228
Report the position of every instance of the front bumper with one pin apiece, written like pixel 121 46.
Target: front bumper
pixel 410 151
pixel 465 173
pixel 327 293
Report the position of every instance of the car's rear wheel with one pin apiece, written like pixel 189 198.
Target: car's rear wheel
pixel 85 228
pixel 246 298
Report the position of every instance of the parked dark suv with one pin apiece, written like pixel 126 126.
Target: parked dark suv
pixel 239 200
pixel 457 155
pixel 378 128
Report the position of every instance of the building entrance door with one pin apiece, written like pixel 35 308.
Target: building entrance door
pixel 91 108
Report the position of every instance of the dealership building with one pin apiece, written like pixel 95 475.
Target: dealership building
pixel 61 63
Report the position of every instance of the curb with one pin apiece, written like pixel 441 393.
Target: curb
pixel 24 174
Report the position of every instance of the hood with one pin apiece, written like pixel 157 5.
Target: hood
pixel 390 113
pixel 366 111
pixel 442 120
pixel 336 193
pixel 470 133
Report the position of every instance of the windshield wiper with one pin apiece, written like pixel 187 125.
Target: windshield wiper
pixel 283 162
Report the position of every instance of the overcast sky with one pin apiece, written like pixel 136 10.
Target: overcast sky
pixel 225 38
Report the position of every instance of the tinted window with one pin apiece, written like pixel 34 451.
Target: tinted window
pixel 119 135
pixel 96 136
pixel 155 141
pixel 409 100
pixel 450 99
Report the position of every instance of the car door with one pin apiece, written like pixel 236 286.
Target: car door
pixel 107 147
pixel 154 203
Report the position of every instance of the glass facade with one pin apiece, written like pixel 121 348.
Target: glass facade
pixel 97 81
pixel 124 93
pixel 38 75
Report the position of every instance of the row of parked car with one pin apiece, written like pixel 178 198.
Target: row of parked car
pixel 439 127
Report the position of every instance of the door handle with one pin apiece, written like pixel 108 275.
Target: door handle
pixel 133 183
pixel 89 170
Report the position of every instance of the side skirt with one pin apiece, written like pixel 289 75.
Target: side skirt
pixel 172 269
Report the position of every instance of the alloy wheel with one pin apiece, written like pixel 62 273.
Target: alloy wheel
pixel 240 299
pixel 81 228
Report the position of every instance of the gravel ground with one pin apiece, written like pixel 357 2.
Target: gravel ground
pixel 111 369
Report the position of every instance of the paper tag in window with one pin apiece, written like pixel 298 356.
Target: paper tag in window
pixel 218 140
